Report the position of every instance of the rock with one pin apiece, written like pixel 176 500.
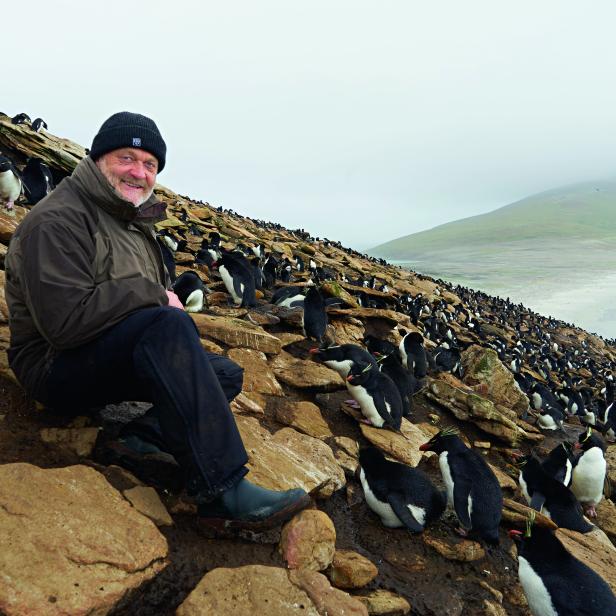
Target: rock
pixel 351 570
pixel 8 224
pixel 4 309
pixel 482 444
pixel 481 365
pixel 504 481
pixel 146 501
pixel 463 551
pixel 346 453
pixel 606 518
pixel 308 541
pixel 334 289
pixel 247 591
pixel 73 545
pixel 305 374
pixel 390 316
pixel 288 338
pixel 517 513
pixel 403 446
pixel 328 601
pixel 468 406
pixel 211 347
pixel 243 405
pixel 257 374
pixel 289 459
pixel 385 603
pixel 304 416
pixel 224 310
pixel 594 550
pixel 348 331
pixel 236 333
pixel 263 318
pixel 80 441
pixel 493 609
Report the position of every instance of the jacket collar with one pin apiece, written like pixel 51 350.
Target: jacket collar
pixel 95 188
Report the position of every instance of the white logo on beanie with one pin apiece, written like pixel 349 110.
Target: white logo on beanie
pixel 136 142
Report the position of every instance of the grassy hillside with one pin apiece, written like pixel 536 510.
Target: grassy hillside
pixel 584 212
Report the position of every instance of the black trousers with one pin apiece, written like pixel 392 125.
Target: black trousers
pixel 155 355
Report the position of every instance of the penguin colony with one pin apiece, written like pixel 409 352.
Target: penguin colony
pixel 570 390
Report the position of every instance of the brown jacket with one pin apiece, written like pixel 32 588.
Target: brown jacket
pixel 80 262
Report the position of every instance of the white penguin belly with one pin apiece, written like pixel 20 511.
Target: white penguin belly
pixel 447 478
pixel 524 488
pixel 228 280
pixel 366 404
pixel 569 467
pixel 383 510
pixel 194 302
pixel 341 367
pixel 537 594
pixel 10 186
pixel 547 422
pixel 403 354
pixel 588 477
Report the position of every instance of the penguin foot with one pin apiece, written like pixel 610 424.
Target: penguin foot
pixel 366 421
pixel 352 403
pixel 461 531
pixel 590 511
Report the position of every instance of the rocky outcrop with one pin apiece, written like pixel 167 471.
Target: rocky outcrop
pixel 289 459
pixel 236 333
pixel 256 589
pixel 492 418
pixel 482 366
pixel 72 544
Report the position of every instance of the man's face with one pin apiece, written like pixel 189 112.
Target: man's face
pixel 131 173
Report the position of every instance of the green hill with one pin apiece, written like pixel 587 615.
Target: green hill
pixel 579 212
pixel 554 251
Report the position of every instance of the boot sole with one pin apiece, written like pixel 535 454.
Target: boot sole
pixel 224 524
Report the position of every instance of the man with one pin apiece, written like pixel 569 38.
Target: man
pixel 92 322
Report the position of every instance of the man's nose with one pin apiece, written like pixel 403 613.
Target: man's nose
pixel 137 170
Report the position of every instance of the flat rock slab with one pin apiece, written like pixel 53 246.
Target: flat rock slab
pixel 303 416
pixel 236 333
pixel 461 551
pixel 289 459
pixel 403 445
pixel 71 542
pixel 258 377
pixel 594 550
pixel 256 589
pixel 305 373
pixel 385 603
pixel 146 500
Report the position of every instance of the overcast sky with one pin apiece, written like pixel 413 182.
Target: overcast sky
pixel 359 121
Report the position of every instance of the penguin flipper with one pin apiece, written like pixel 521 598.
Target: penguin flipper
pixel 238 287
pixel 404 514
pixel 537 501
pixel 461 504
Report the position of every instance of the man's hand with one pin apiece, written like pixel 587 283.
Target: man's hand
pixel 174 300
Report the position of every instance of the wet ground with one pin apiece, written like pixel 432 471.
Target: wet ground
pixel 408 566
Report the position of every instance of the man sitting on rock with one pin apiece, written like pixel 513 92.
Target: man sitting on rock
pixel 92 322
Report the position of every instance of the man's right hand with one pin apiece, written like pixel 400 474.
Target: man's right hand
pixel 174 300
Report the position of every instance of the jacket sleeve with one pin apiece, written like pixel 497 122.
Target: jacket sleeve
pixel 58 281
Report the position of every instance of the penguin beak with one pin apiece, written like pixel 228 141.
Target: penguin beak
pixel 515 535
pixel 577 446
pixel 314 350
pixel 516 454
pixel 425 447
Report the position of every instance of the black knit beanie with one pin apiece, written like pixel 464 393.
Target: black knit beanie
pixel 129 130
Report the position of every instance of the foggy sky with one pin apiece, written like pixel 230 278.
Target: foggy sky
pixel 359 121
